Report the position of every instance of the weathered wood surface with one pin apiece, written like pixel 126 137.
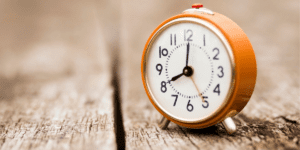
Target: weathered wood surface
pixel 55 77
pixel 71 112
pixel 271 120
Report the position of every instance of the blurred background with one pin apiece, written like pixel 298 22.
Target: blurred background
pixel 42 40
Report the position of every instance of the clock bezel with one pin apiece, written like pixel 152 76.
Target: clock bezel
pixel 244 70
pixel 219 35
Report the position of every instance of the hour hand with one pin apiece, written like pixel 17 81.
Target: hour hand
pixel 176 77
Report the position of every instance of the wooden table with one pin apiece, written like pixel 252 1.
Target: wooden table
pixel 70 76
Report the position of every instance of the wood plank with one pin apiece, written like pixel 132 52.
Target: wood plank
pixel 270 120
pixel 70 112
pixel 55 77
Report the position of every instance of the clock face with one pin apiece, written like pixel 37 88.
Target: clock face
pixel 188 69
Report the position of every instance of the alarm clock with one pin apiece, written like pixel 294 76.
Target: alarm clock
pixel 198 69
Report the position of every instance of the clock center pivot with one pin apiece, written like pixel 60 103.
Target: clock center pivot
pixel 188 71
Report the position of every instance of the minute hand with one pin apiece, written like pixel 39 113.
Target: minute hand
pixel 187 54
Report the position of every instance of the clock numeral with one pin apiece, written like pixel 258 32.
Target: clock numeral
pixel 188 35
pixel 222 73
pixel 189 106
pixel 204 40
pixel 216 56
pixel 163 87
pixel 171 39
pixel 163 52
pixel 217 89
pixel 206 102
pixel 159 68
pixel 176 96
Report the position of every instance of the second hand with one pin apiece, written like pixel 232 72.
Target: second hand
pixel 198 90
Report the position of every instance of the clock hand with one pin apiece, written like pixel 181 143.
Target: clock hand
pixel 187 71
pixel 187 54
pixel 176 77
pixel 198 89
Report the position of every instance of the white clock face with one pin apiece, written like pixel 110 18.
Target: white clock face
pixel 188 69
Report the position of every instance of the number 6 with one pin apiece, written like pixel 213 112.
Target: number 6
pixel 189 106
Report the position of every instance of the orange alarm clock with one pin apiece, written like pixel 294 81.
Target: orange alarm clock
pixel 198 69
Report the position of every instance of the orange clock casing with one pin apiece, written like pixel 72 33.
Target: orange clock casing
pixel 244 70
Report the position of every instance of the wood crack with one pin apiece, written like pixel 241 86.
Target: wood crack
pixel 118 118
pixel 288 120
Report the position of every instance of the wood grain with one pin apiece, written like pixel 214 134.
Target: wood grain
pixel 71 112
pixel 271 118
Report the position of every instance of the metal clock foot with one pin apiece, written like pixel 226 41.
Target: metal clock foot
pixel 164 122
pixel 229 125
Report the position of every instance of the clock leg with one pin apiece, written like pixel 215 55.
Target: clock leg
pixel 164 122
pixel 229 125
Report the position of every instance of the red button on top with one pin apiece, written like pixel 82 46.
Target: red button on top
pixel 197 5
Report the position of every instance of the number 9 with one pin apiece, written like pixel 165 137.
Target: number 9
pixel 159 68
